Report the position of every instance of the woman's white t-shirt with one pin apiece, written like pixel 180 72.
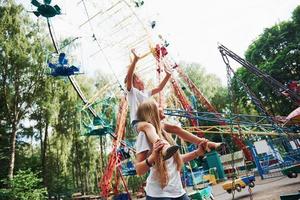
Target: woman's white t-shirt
pixel 174 188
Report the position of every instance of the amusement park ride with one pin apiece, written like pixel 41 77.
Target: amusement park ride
pixel 119 39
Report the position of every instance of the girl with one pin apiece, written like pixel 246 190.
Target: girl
pixel 137 94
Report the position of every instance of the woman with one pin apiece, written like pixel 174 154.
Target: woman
pixel 164 180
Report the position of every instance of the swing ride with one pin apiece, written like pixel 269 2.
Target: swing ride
pixel 292 156
pixel 291 172
pixel 45 9
pixel 62 67
pixel 110 30
pixel 239 184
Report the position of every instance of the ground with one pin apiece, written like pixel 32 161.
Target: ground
pixel 268 189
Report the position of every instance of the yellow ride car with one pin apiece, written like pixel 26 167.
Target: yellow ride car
pixel 239 183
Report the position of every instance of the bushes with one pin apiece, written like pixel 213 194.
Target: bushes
pixel 136 182
pixel 24 186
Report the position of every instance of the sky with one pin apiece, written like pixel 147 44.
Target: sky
pixel 193 28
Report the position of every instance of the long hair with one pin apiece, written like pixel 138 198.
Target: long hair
pixel 148 112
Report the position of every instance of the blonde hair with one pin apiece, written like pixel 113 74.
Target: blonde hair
pixel 148 111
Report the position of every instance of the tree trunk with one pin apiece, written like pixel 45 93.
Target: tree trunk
pixel 78 168
pixel 86 182
pixel 44 151
pixel 12 151
pixel 73 173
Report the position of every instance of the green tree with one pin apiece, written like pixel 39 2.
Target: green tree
pixel 68 161
pixel 276 52
pixel 25 185
pixel 136 182
pixel 209 84
pixel 20 58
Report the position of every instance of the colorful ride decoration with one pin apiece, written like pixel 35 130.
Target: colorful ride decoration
pixel 62 68
pixel 164 41
pixel 45 9
pixel 202 194
pixel 185 104
pixel 276 86
pixel 292 171
pixel 92 130
pixel 138 3
pixel 95 126
pixel 291 196
pixel 239 184
pixel 214 162
pixel 128 168
pixel 105 183
pixel 294 86
pixel 153 24
pixel 160 51
pixel 294 115
pixel 194 177
pixel 208 105
pixel 123 153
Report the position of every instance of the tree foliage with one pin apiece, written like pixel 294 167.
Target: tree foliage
pixel 20 57
pixel 276 52
pixel 136 182
pixel 41 116
pixel 24 186
pixel 208 84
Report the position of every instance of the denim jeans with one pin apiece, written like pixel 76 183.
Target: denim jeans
pixel 183 197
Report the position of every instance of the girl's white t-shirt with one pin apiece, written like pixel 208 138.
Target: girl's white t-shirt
pixel 174 188
pixel 135 98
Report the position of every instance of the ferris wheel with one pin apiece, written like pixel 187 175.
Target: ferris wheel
pixel 103 33
pixel 100 35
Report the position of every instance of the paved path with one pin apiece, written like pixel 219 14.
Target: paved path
pixel 269 189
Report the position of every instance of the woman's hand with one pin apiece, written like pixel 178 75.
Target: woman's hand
pixel 157 148
pixel 200 151
pixel 140 165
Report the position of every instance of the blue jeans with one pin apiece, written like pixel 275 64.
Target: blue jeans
pixel 134 124
pixel 183 197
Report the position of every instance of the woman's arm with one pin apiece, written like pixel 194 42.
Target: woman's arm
pixel 192 155
pixel 141 166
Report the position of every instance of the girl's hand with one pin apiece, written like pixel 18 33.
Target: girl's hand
pixel 135 56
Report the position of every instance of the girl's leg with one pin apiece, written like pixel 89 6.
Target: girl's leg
pixel 168 150
pixel 149 130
